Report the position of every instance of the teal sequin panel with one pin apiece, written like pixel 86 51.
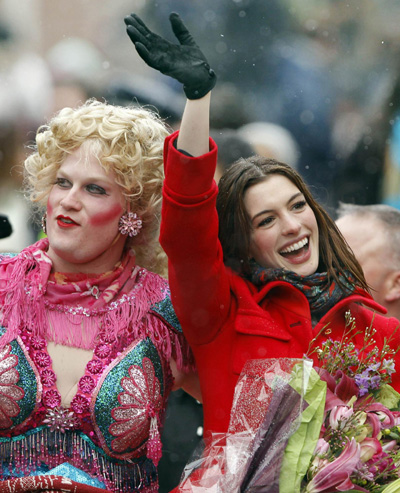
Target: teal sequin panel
pixel 107 398
pixel 7 255
pixel 165 309
pixel 27 381
pixel 71 472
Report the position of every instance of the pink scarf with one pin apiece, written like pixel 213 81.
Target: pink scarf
pixel 72 309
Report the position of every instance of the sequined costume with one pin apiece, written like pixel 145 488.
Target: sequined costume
pixel 109 436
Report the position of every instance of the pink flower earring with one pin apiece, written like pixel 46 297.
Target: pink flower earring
pixel 130 224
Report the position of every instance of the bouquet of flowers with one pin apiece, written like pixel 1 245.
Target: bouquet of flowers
pixel 359 444
pixel 300 428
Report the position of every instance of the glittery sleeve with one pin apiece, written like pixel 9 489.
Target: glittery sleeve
pixel 175 341
pixel 165 310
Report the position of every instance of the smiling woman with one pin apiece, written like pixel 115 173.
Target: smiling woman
pixel 90 347
pixel 258 268
pixel 284 230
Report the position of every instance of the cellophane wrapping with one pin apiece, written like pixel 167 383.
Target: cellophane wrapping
pixel 267 408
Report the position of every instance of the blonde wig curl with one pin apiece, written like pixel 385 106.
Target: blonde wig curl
pixel 129 142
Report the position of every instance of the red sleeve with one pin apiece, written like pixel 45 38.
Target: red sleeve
pixel 393 336
pixel 198 279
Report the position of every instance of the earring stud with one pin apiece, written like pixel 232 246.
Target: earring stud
pixel 44 223
pixel 130 224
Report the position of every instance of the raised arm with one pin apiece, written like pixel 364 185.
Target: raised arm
pixel 186 63
pixel 199 281
pixel 194 131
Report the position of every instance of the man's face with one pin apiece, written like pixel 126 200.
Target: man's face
pixel 367 239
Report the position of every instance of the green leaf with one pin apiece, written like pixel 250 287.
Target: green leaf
pixel 301 444
pixel 389 397
pixel 393 487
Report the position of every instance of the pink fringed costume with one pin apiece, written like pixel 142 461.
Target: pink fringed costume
pixel 110 432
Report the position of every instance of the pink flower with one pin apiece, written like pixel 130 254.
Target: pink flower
pixel 107 337
pixel 52 398
pixel 86 384
pixel 130 224
pixel 320 452
pixel 139 403
pixel 368 448
pixel 48 377
pixel 396 417
pixel 339 416
pixel 378 417
pixel 389 446
pixel 381 464
pixel 340 389
pixel 79 404
pixel 102 350
pixel 42 359
pixel 9 392
pixel 38 342
pixel 95 366
pixel 322 447
pixel 336 474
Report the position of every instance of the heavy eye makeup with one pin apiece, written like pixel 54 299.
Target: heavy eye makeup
pixel 92 188
pixel 96 189
pixel 62 182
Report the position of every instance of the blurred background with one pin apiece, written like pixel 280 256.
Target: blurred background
pixel 325 72
pixel 315 83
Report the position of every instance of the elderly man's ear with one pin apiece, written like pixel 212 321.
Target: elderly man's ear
pixel 393 287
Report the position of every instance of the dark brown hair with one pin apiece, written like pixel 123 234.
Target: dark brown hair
pixel 235 228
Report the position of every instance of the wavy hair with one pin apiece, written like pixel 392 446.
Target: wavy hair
pixel 335 255
pixel 128 141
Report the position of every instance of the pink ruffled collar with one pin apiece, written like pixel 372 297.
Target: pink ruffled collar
pixel 71 309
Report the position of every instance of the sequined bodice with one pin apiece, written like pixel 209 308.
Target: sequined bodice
pixel 111 412
pixel 28 386
pixel 110 431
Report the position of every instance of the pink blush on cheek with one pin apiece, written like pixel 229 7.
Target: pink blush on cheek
pixel 103 218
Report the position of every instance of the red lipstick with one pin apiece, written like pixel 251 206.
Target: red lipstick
pixel 66 222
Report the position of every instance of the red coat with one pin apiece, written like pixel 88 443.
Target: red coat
pixel 226 319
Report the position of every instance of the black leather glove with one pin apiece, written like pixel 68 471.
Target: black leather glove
pixel 184 62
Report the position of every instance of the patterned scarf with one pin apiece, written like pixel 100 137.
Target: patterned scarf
pixel 321 294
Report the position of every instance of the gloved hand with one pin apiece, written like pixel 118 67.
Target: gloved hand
pixel 184 62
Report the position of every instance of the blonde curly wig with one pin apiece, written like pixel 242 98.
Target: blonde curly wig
pixel 129 142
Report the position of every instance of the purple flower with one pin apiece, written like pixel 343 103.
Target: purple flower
pixel 373 367
pixel 375 382
pixel 363 384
